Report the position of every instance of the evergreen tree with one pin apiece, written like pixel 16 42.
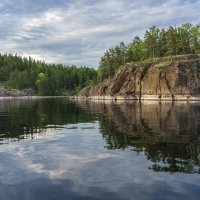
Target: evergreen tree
pixel 163 42
pixel 136 50
pixel 151 40
pixel 172 41
pixel 195 39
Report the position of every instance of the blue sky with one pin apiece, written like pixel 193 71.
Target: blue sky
pixel 79 32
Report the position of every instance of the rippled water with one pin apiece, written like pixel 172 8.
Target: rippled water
pixel 58 149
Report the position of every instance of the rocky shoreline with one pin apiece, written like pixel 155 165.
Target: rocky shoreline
pixel 171 78
pixel 30 97
pixel 144 97
pixel 6 93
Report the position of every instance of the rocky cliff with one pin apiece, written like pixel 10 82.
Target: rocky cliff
pixel 170 78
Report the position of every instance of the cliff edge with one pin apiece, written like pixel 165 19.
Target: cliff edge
pixel 168 78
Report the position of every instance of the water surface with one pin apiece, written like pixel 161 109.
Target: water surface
pixel 58 149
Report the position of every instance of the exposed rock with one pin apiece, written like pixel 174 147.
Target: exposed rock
pixel 6 92
pixel 170 78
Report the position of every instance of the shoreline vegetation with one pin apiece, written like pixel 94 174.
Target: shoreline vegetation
pixel 26 76
pixel 159 49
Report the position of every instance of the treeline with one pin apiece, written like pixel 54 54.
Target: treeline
pixel 155 43
pixel 43 79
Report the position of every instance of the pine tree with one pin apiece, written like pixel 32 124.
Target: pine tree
pixel 151 40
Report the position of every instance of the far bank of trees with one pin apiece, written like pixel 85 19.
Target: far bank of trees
pixel 155 43
pixel 43 79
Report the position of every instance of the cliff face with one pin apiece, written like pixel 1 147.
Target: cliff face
pixel 164 78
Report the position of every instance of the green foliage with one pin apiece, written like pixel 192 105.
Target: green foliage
pixel 164 64
pixel 156 43
pixel 111 60
pixel 145 64
pixel 151 41
pixel 43 79
pixel 136 50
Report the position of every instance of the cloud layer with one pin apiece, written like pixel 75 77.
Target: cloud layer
pixel 79 32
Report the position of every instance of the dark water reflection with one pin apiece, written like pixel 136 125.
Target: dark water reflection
pixel 59 149
pixel 168 133
pixel 20 119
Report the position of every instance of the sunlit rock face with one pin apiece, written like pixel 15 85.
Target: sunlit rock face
pixel 175 78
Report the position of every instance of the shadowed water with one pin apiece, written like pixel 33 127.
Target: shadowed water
pixel 58 149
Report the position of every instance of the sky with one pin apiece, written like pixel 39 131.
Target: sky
pixel 73 32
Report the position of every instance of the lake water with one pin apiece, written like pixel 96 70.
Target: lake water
pixel 56 149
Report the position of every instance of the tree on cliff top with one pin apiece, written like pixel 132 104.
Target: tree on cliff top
pixel 156 43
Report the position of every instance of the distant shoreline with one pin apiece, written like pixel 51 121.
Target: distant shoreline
pixel 30 97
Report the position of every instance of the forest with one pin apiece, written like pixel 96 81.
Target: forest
pixel 43 79
pixel 155 43
pixel 56 79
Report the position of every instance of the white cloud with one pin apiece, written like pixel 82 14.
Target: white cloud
pixel 79 32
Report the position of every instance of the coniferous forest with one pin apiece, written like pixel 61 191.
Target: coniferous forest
pixel 155 43
pixel 43 79
pixel 56 79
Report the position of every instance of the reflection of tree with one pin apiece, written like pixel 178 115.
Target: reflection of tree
pixel 20 119
pixel 166 133
pixel 174 158
pixel 113 137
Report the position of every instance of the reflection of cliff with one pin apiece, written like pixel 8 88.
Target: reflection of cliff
pixel 167 133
